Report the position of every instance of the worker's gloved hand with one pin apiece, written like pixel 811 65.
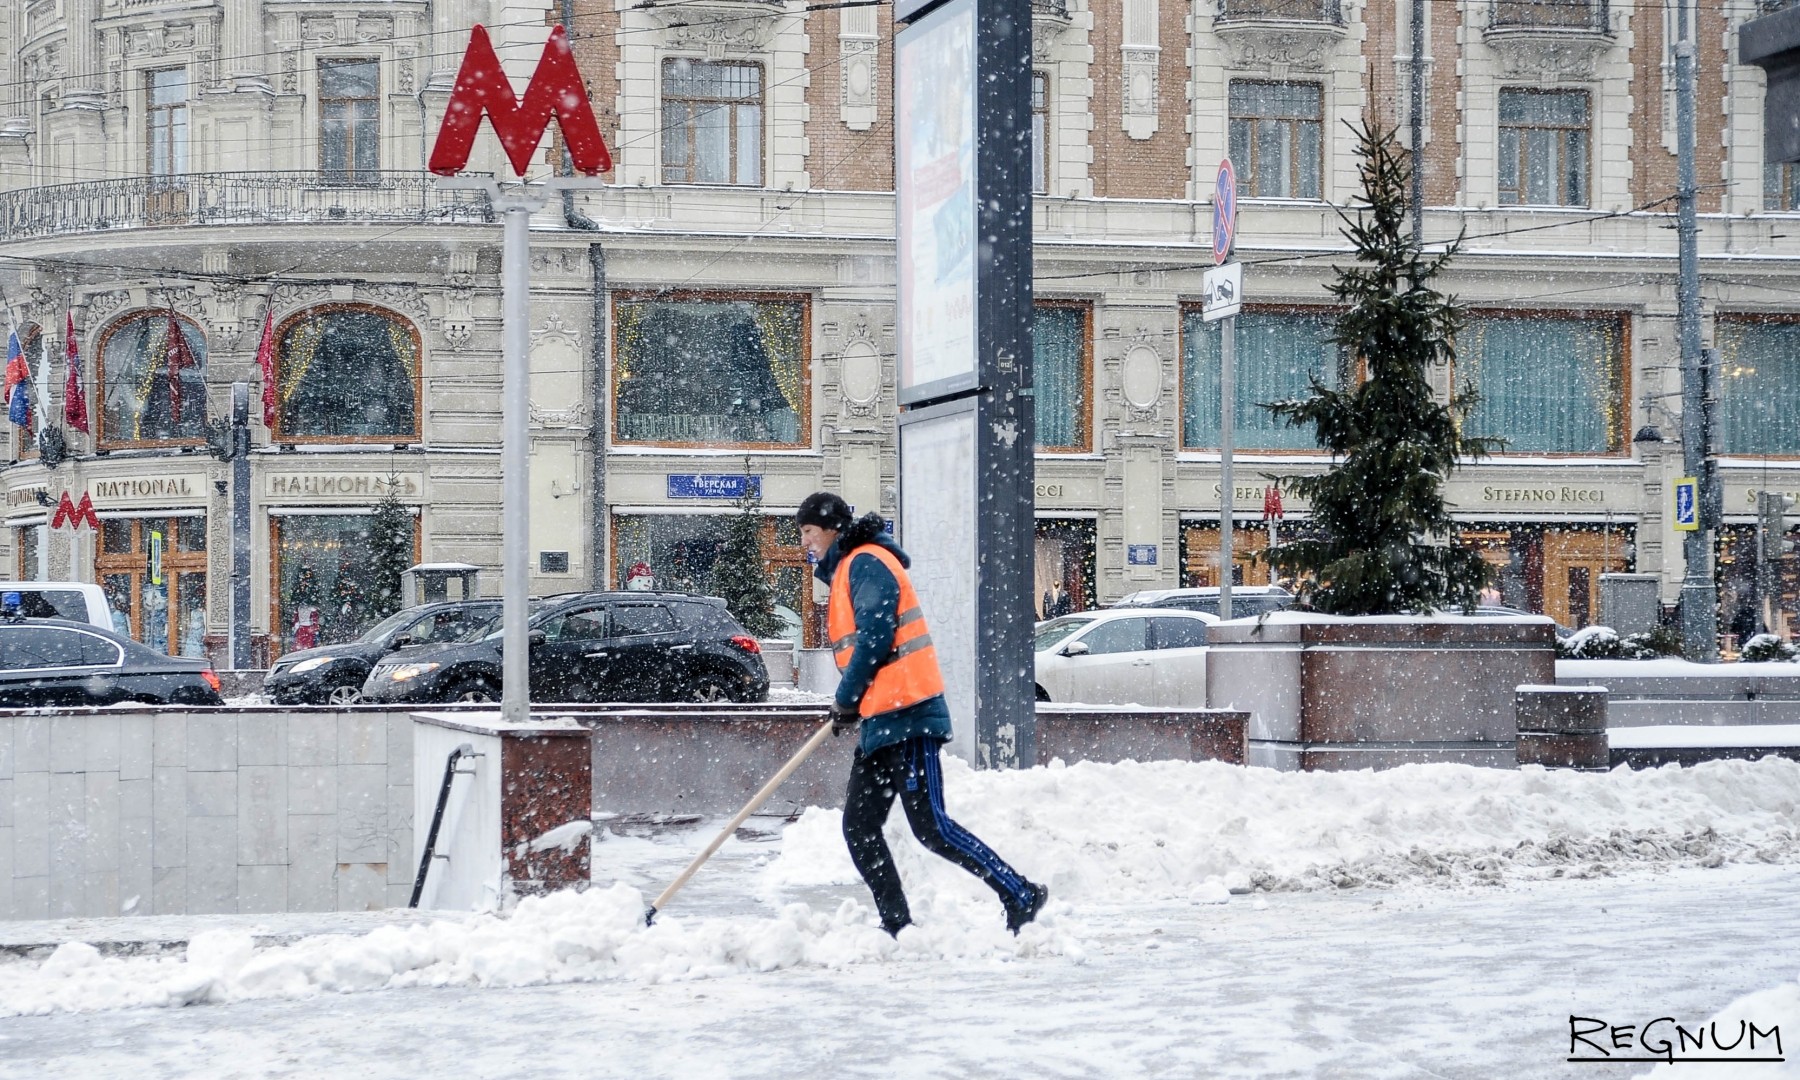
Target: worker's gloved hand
pixel 843 719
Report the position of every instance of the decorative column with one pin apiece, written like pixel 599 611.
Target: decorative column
pixel 246 58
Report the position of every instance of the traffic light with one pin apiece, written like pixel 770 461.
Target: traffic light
pixel 1771 523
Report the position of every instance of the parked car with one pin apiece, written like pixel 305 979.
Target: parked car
pixel 62 662
pixel 1246 600
pixel 1122 656
pixel 334 674
pixel 1563 633
pixel 80 601
pixel 618 646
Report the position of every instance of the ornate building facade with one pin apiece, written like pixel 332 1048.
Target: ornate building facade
pixel 723 308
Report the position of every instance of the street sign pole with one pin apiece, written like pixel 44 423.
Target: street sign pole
pixel 516 203
pixel 556 91
pixel 1224 236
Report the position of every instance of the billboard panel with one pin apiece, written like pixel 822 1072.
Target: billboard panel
pixel 937 529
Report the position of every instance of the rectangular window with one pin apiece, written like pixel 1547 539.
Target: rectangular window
pixel 1276 141
pixel 707 370
pixel 325 578
pixel 1279 354
pixel 1759 387
pixel 166 121
pixel 681 552
pixel 1546 385
pixel 1040 132
pixel 349 120
pixel 1781 186
pixel 1544 147
pixel 154 574
pixel 1061 375
pixel 712 123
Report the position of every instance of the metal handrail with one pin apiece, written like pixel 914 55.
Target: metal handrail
pixel 437 819
pixel 1320 11
pixel 234 198
pixel 1586 15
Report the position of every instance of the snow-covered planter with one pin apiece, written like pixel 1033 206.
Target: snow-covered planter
pixel 1766 647
pixel 1378 691
pixel 1604 643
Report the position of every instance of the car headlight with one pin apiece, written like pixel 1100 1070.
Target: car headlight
pixel 313 664
pixel 412 671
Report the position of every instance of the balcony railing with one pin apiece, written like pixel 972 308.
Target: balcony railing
pixel 1578 15
pixel 1318 11
pixel 242 198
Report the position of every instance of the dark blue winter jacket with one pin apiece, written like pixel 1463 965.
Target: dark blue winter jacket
pixel 875 600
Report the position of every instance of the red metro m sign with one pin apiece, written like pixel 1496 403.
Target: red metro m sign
pixel 555 90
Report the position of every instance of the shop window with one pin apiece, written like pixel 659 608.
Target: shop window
pixel 678 552
pixel 154 572
pixel 706 371
pixel 152 393
pixel 712 122
pixel 1546 385
pixel 324 578
pixel 1061 374
pixel 1781 186
pixel 1279 355
pixel 1200 553
pixel 347 373
pixel 1552 570
pixel 28 547
pixel 1759 387
pixel 1544 147
pixel 349 120
pixel 1040 132
pixel 1276 140
pixel 1064 566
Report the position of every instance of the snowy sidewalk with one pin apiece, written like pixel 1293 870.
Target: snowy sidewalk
pixel 1619 896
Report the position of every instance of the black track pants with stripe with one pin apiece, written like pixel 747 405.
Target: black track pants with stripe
pixel 910 770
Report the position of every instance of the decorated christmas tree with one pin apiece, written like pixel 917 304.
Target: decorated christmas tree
pixel 741 575
pixel 390 553
pixel 1381 536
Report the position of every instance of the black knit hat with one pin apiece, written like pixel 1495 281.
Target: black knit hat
pixel 825 510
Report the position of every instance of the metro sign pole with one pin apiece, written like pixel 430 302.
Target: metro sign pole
pixel 556 91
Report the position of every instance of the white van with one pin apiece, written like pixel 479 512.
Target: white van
pixel 78 600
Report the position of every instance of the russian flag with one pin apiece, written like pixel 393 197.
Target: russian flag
pixel 18 383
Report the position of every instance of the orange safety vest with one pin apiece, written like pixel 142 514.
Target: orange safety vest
pixel 910 673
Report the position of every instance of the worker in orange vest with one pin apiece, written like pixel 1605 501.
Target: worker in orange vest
pixel 890 688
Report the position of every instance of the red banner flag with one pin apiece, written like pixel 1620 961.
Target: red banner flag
pixel 180 356
pixel 265 363
pixel 556 90
pixel 1272 502
pixel 75 412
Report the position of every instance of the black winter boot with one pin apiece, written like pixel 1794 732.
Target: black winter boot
pixel 1017 917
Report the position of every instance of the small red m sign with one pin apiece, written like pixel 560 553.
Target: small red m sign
pixel 555 90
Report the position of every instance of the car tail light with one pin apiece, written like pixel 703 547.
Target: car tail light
pixel 211 680
pixel 746 643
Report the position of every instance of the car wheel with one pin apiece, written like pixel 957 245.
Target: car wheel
pixel 1043 694
pixel 709 688
pixel 344 694
pixel 474 691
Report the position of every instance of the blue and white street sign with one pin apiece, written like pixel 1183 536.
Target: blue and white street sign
pixel 1140 554
pixel 1224 212
pixel 1687 505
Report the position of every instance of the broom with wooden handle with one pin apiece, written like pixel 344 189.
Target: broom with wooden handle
pixel 750 807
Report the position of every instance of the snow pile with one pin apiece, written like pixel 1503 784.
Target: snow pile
pixel 566 937
pixel 1194 830
pixel 1766 1009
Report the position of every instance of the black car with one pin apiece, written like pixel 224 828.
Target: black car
pixel 63 663
pixel 334 674
pixel 618 646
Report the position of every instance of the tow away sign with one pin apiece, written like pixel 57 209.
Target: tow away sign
pixel 1221 291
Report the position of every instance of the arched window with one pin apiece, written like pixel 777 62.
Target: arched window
pixel 152 394
pixel 347 372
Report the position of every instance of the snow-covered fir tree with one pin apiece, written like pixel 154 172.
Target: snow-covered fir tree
pixel 1380 524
